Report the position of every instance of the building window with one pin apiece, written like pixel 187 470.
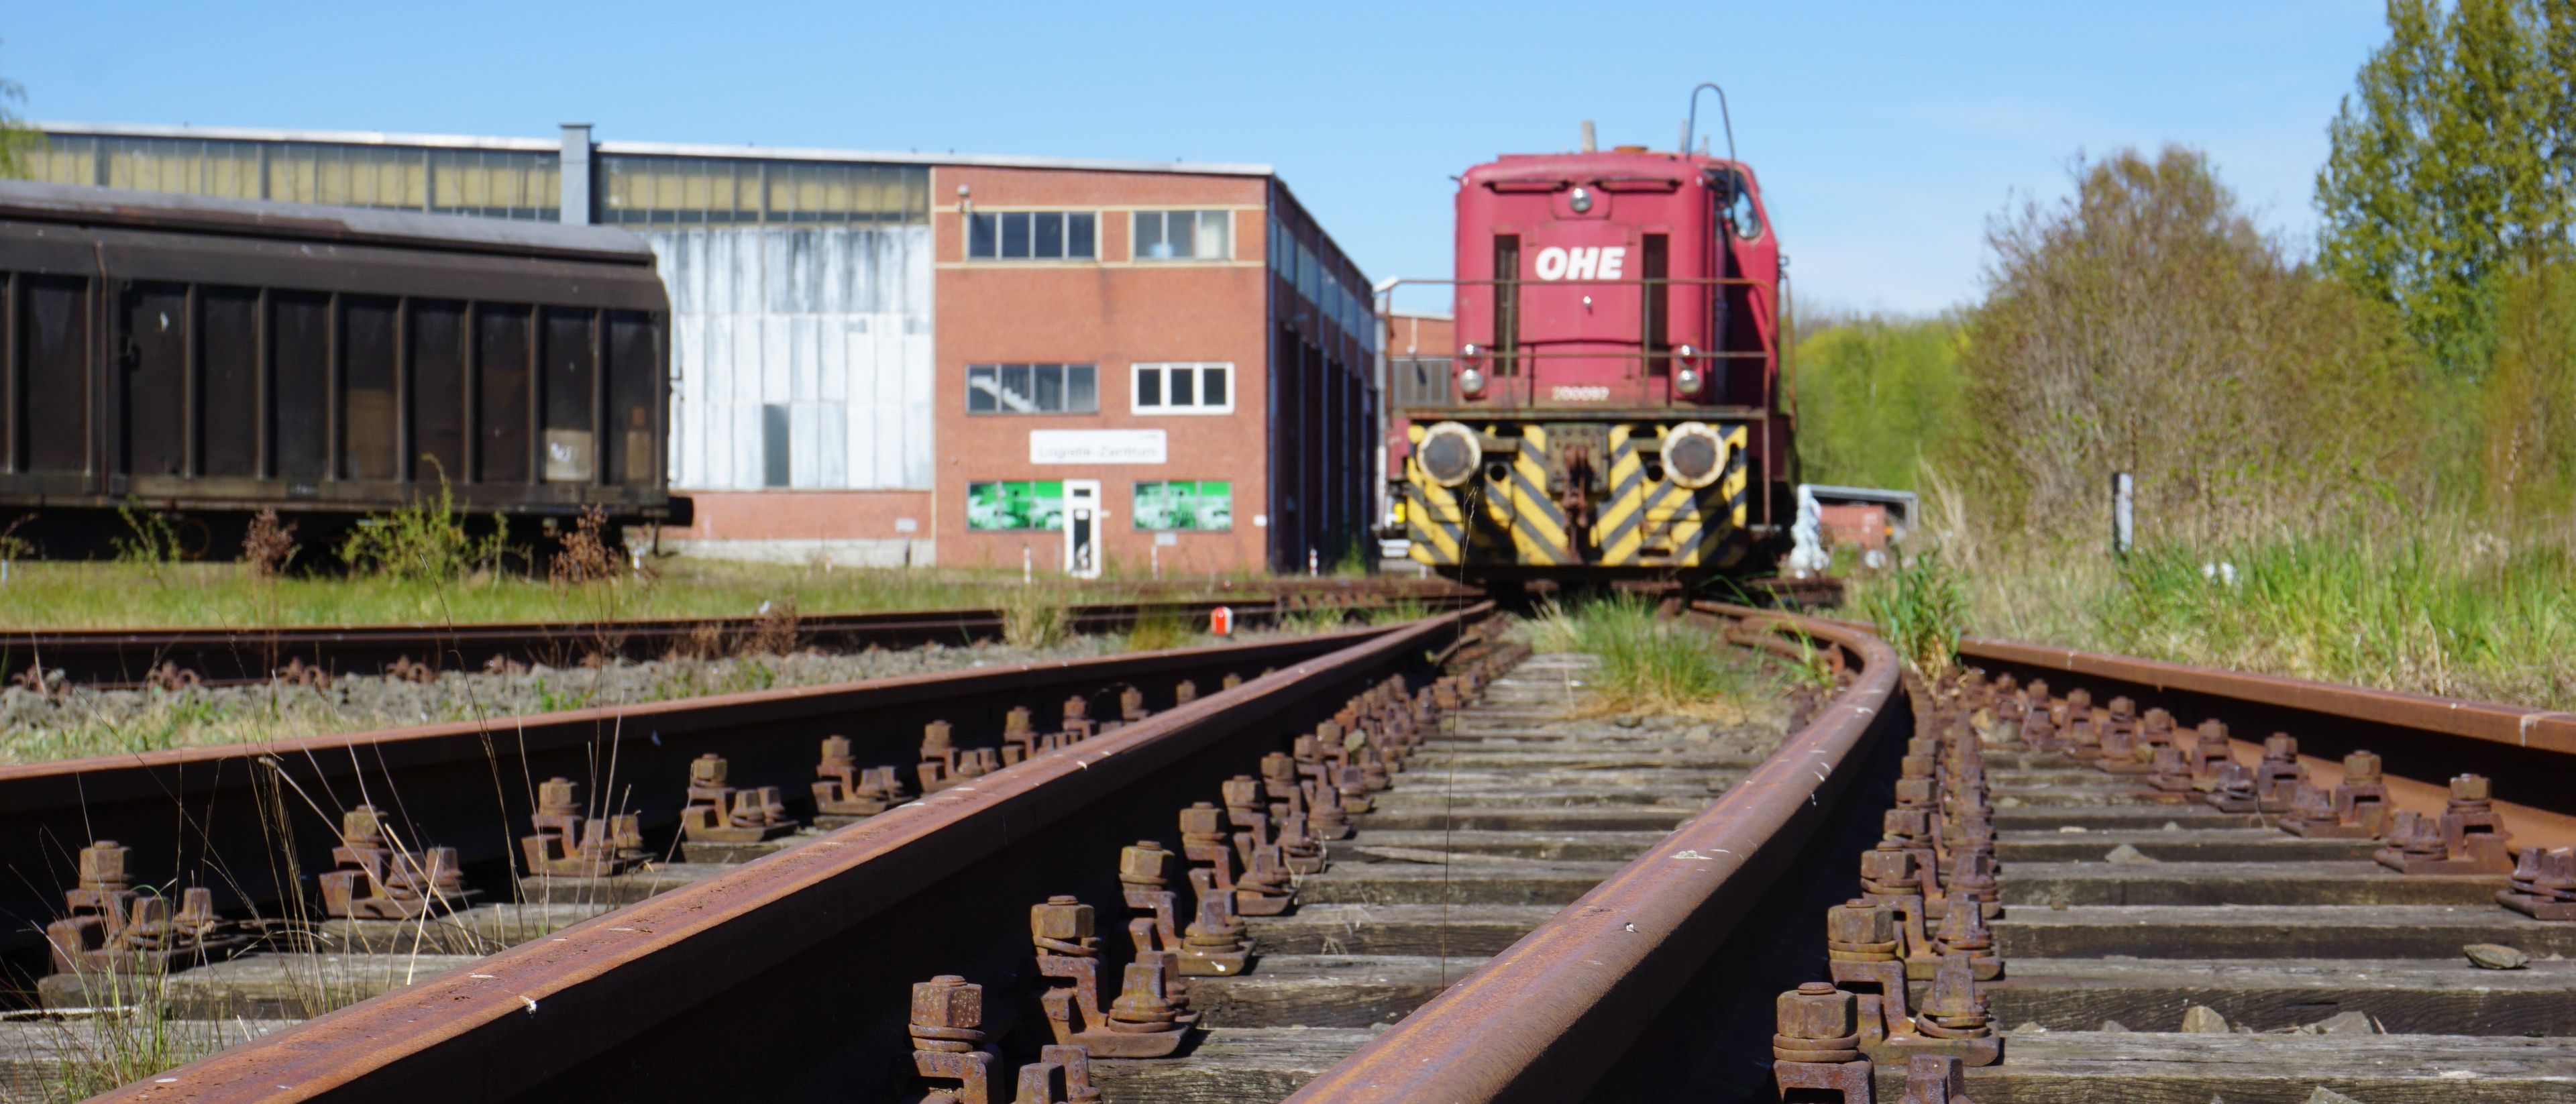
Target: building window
pixel 1002 505
pixel 775 459
pixel 1032 235
pixel 1032 389
pixel 1203 506
pixel 1183 389
pixel 1184 235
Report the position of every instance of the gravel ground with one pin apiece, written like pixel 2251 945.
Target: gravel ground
pixel 36 727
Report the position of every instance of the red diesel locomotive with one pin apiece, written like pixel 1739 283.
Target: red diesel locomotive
pixel 1615 404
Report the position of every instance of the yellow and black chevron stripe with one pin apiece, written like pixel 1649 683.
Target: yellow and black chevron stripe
pixel 1659 523
pixel 1514 521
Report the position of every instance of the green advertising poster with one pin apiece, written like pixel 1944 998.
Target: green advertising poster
pixel 1205 505
pixel 1019 504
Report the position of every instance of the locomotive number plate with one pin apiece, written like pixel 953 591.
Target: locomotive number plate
pixel 1582 394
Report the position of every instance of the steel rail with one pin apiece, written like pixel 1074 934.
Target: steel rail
pixel 2528 755
pixel 129 657
pixel 642 1000
pixel 1548 1018
pixel 210 816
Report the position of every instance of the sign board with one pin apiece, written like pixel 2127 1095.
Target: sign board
pixel 1096 446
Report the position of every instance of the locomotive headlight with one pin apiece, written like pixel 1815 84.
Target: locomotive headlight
pixel 1687 381
pixel 1450 454
pixel 1581 201
pixel 1694 455
pixel 1471 379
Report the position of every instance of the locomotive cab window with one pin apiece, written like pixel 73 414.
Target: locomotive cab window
pixel 1735 205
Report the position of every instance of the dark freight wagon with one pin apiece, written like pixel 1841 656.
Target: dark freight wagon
pixel 210 357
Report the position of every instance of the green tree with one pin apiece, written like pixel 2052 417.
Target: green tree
pixel 2450 157
pixel 17 139
pixel 2145 324
pixel 1877 397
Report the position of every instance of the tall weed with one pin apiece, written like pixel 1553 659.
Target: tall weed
pixel 1646 664
pixel 425 540
pixel 150 540
pixel 1919 608
pixel 1034 618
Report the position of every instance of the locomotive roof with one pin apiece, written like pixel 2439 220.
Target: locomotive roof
pixel 1593 165
pixel 122 207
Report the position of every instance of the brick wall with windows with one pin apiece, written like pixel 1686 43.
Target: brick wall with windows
pixel 1168 317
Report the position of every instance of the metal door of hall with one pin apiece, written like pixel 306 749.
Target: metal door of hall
pixel 1082 528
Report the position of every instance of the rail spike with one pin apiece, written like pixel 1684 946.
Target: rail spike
pixel 1144 1022
pixel 1816 1047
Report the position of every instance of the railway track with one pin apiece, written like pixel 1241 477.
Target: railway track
pixel 172 658
pixel 1532 908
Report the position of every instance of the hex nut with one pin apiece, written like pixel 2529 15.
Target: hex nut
pixel 1063 919
pixel 947 1001
pixel 1815 1010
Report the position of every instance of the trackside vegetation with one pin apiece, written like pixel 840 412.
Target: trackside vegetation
pixel 2355 455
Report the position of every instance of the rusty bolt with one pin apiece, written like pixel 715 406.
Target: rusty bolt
pixel 2123 708
pixel 948 1001
pixel 360 824
pixel 1860 923
pixel 1815 1010
pixel 2360 766
pixel 1202 819
pixel 2280 745
pixel 1242 790
pixel 1140 1005
pixel 934 739
pixel 1143 864
pixel 1185 693
pixel 1075 709
pixel 2472 787
pixel 707 770
pixel 1061 919
pixel 102 865
pixel 557 797
pixel 836 751
pixel 1906 824
pixel 1884 866
pixel 2079 699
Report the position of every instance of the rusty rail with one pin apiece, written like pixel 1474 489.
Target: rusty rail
pixel 784 977
pixel 134 657
pixel 2529 754
pixel 471 785
pixel 1550 1018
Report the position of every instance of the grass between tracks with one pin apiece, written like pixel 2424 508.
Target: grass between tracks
pixel 1647 666
pixel 65 595
pixel 2471 614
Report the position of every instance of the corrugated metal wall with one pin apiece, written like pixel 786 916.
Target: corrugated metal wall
pixel 832 323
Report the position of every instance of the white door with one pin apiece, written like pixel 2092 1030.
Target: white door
pixel 1082 528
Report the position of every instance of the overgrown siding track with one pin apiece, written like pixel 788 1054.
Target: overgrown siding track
pixel 172 657
pixel 2036 881
pixel 244 821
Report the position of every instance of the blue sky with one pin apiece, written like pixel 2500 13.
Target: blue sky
pixel 1886 135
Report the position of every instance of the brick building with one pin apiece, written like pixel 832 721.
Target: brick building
pixel 892 359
